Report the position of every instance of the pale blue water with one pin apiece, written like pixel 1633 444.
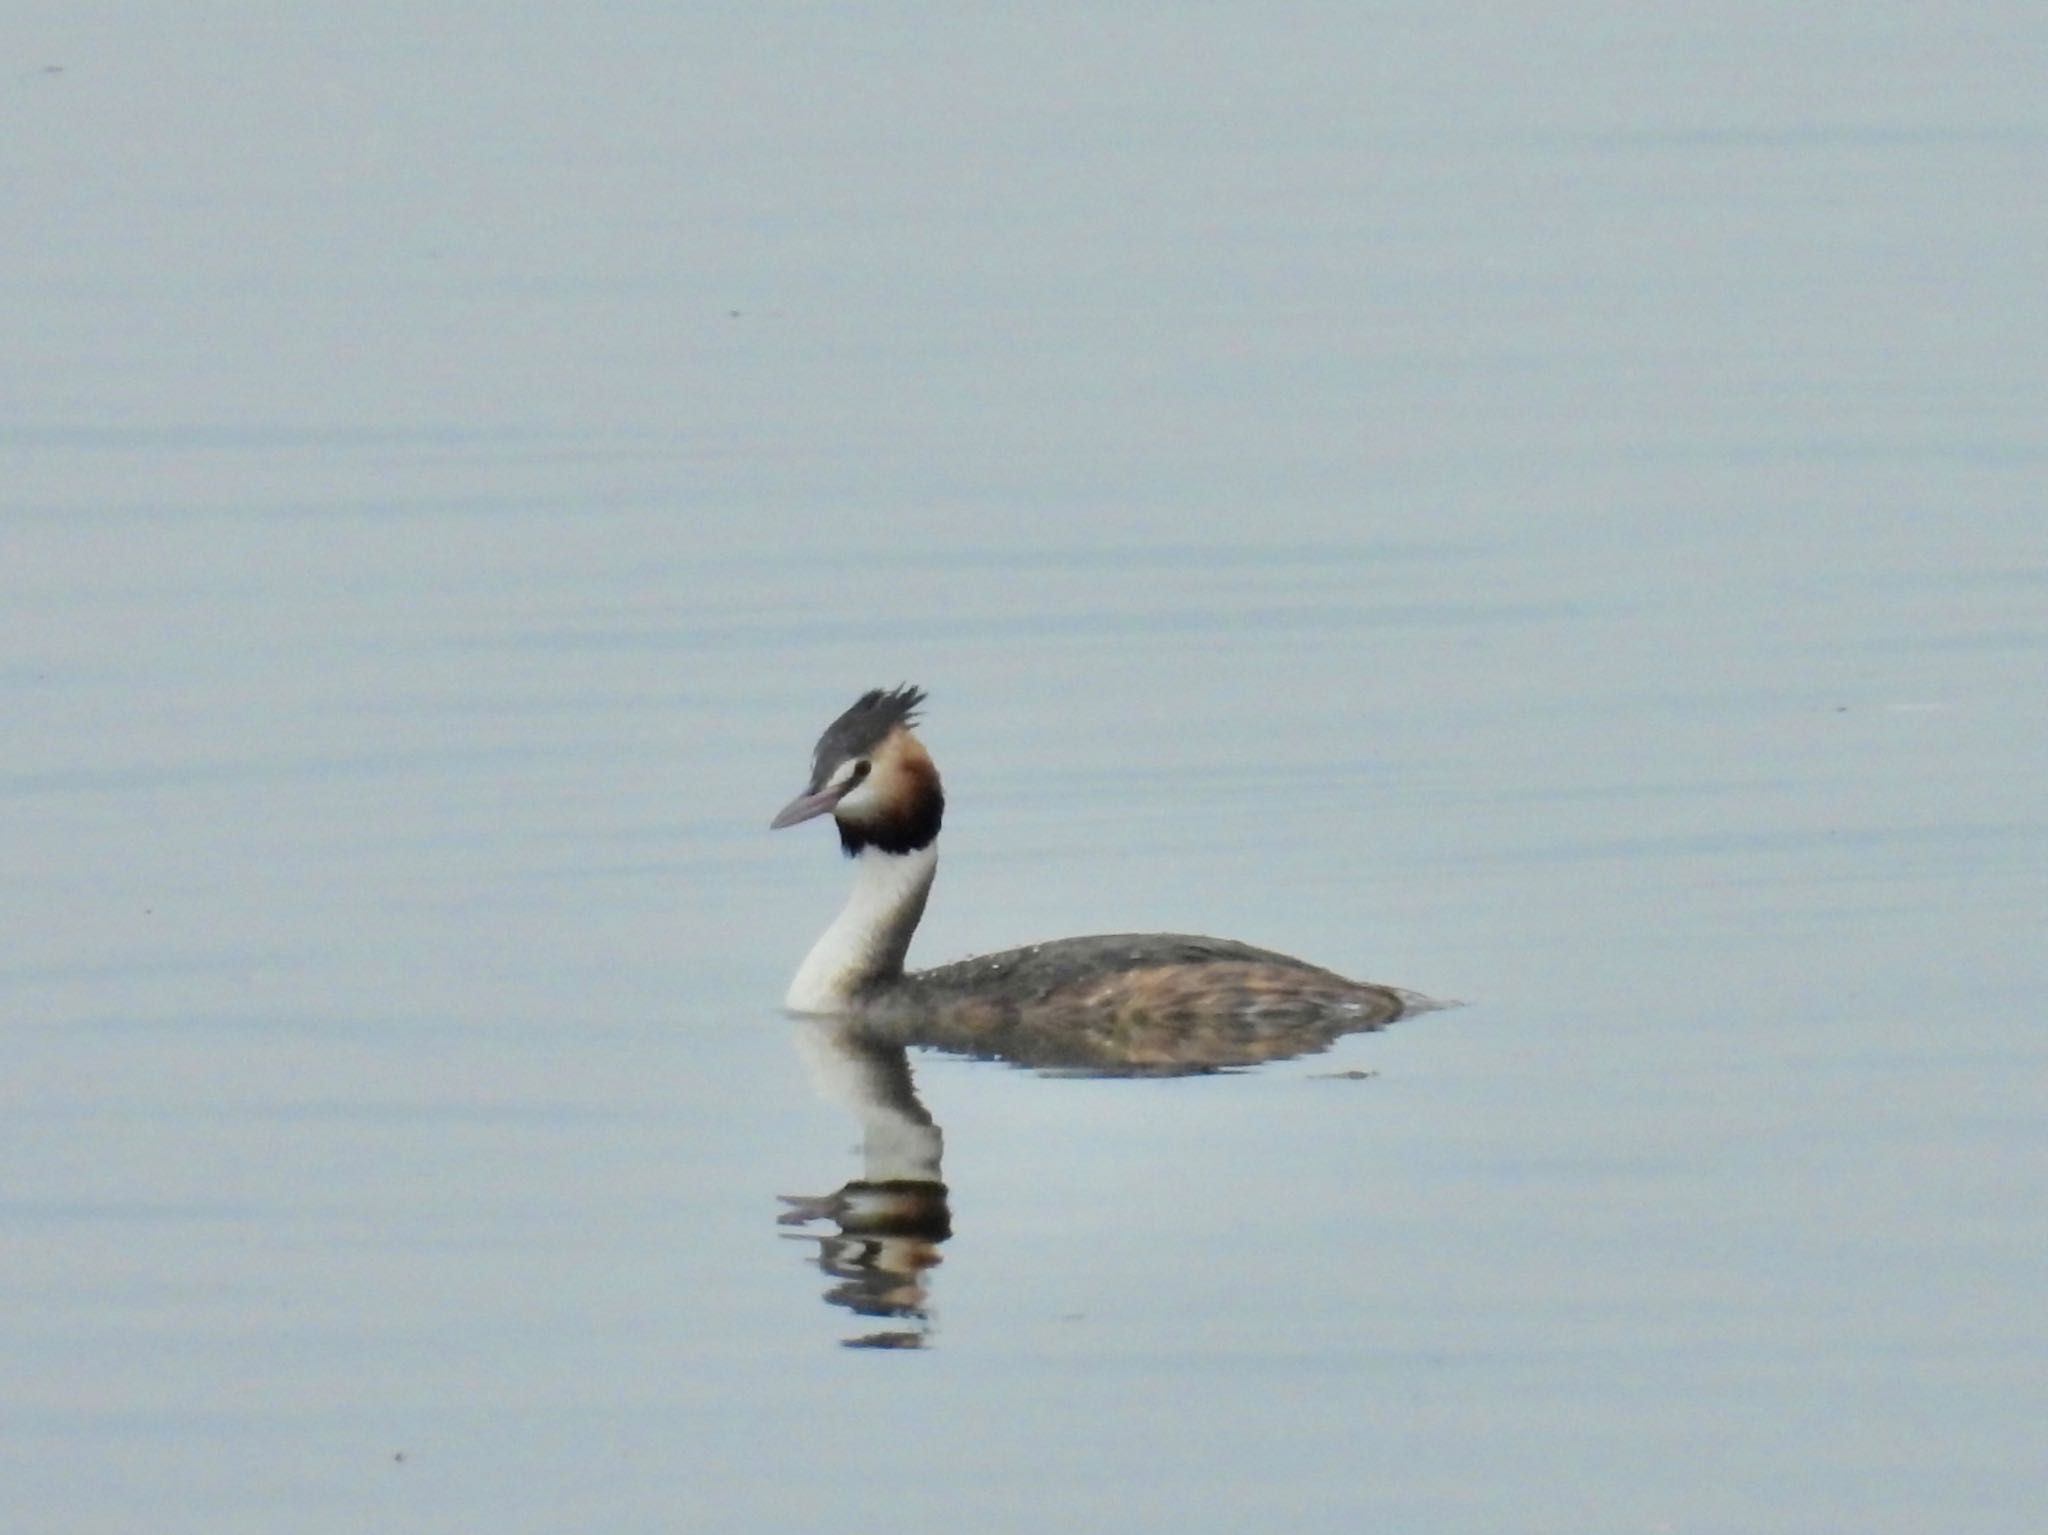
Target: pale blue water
pixel 1541 507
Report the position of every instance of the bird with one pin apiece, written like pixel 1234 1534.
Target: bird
pixel 1113 1002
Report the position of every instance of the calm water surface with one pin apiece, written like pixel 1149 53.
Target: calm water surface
pixel 1541 508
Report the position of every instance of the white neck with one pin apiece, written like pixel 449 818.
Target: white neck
pixel 868 939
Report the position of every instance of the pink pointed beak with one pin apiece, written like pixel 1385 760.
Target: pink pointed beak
pixel 807 805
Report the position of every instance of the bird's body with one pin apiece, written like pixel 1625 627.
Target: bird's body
pixel 1143 1001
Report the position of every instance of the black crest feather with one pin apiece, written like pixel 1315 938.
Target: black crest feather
pixel 863 727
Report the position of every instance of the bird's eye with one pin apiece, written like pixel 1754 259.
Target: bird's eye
pixel 860 771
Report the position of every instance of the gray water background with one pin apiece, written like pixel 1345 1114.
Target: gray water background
pixel 1542 506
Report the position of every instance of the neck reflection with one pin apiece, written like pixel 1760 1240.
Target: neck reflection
pixel 891 1220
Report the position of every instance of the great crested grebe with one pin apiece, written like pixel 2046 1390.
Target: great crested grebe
pixel 1130 998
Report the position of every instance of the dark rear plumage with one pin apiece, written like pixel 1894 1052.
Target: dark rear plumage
pixel 1128 1003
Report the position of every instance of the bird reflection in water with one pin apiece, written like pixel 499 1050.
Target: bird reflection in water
pixel 892 1219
